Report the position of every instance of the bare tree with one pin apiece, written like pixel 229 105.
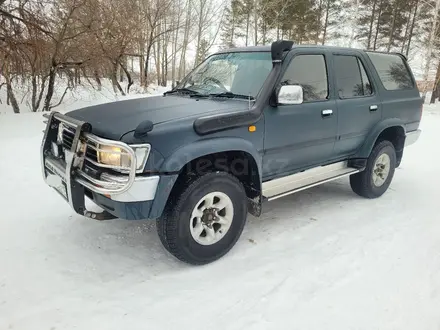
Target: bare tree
pixel 93 40
pixel 187 28
pixel 208 14
pixel 154 12
pixel 175 39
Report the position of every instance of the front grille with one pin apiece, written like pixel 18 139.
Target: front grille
pixel 86 171
pixel 68 138
pixel 68 135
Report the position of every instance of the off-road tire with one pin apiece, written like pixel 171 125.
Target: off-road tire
pixel 362 183
pixel 174 225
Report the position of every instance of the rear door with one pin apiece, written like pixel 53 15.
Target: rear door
pixel 400 96
pixel 358 102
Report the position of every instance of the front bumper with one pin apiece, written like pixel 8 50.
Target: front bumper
pixel 123 210
pixel 71 176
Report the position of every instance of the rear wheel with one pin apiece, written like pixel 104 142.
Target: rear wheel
pixel 204 221
pixel 374 181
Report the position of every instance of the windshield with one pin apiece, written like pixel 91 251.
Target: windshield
pixel 231 73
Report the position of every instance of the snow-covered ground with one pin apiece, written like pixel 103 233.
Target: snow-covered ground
pixel 82 95
pixel 320 259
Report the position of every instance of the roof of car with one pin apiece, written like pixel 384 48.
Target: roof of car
pixel 246 49
pixel 267 48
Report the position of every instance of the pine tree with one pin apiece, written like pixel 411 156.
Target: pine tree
pixel 231 26
pixel 368 13
pixel 270 12
pixel 299 20
pixel 331 17
pixel 399 18
pixel 203 51
pixel 245 10
pixel 415 13
pixel 386 24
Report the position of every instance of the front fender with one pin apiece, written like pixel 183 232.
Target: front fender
pixel 182 156
pixel 365 150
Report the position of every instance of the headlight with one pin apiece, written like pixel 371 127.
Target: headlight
pixel 115 156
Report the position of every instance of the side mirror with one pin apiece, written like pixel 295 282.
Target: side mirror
pixel 290 94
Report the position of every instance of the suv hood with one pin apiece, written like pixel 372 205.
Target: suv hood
pixel 113 120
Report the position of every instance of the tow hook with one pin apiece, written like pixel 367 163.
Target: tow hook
pixel 101 216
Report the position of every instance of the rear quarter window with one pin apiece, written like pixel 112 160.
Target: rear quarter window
pixel 392 71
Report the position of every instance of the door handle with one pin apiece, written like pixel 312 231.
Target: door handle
pixel 327 112
pixel 373 107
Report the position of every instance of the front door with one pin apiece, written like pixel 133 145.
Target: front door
pixel 301 135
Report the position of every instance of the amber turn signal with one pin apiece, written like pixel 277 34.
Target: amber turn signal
pixel 252 128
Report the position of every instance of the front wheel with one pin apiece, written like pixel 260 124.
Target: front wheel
pixel 204 221
pixel 374 181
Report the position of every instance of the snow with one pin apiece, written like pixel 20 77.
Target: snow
pixel 320 259
pixel 82 95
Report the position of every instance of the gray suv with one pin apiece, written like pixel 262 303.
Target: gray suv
pixel 247 125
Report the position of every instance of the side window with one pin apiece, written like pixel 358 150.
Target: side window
pixel 392 71
pixel 310 72
pixel 351 77
pixel 366 85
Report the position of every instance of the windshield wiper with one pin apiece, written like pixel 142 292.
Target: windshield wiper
pixel 183 91
pixel 233 95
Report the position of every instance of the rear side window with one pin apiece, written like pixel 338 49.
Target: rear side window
pixel 310 72
pixel 351 78
pixel 392 71
pixel 366 85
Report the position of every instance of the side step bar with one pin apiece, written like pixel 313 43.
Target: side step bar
pixel 291 184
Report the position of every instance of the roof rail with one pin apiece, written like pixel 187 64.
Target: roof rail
pixel 383 52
